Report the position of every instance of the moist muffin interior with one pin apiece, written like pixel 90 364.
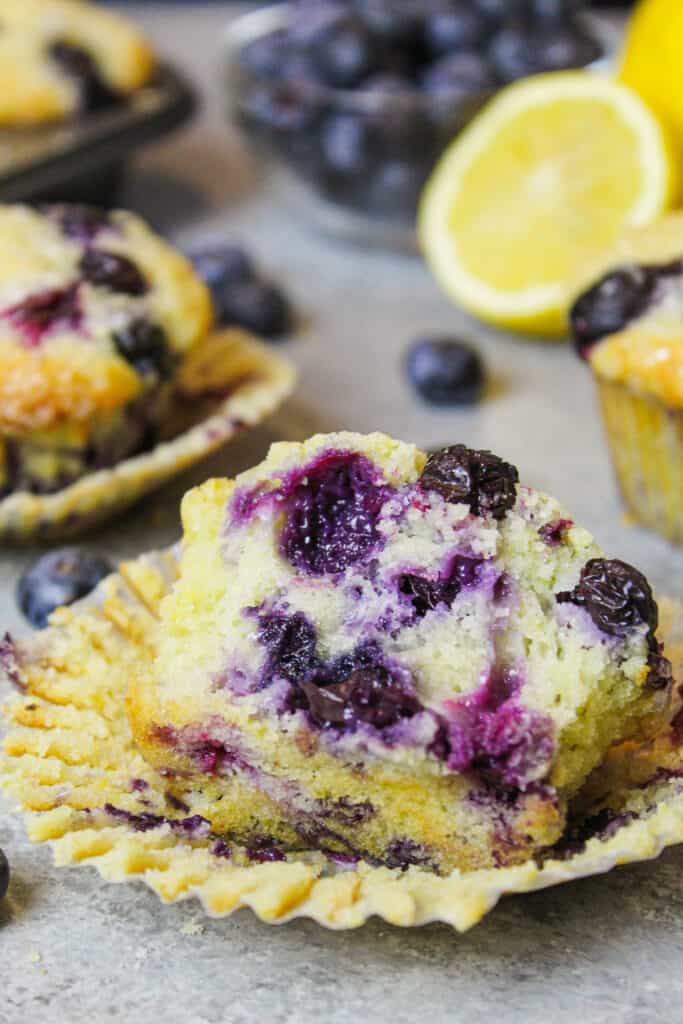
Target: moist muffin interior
pixel 407 660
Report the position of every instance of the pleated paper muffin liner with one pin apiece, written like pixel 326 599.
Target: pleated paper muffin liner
pixel 646 442
pixel 71 764
pixel 229 384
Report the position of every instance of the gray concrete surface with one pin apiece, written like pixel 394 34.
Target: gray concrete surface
pixel 603 951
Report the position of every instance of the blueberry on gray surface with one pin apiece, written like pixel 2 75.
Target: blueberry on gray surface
pixel 144 345
pixel 4 875
pixel 58 578
pixel 257 306
pixel 512 52
pixel 445 372
pixel 113 271
pixel 264 55
pixel 479 479
pixel 611 304
pixel 219 266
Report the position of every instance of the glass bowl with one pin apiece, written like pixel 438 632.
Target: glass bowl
pixel 355 160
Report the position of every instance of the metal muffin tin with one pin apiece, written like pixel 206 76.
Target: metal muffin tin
pixel 83 159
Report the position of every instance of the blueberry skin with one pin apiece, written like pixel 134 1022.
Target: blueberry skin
pixel 459 75
pixel 512 52
pixel 347 144
pixel 145 346
pixel 257 306
pixel 4 875
pixel 264 56
pixel 445 372
pixel 346 53
pixel 452 27
pixel 221 265
pixel 58 578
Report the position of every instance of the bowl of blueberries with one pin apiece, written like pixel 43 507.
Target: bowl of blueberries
pixel 357 99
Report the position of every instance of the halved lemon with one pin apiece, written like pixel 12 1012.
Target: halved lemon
pixel 652 59
pixel 550 174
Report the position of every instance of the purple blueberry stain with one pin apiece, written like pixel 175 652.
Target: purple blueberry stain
pixel 40 314
pixel 79 222
pixel 331 514
pixel 291 644
pixel 426 595
pixel 492 734
pixel 192 827
pixel 9 662
pixel 139 785
pixel 555 533
pixel 264 850
pixel 221 849
pixel 403 853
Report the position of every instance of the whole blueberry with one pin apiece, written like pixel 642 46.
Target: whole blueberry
pixel 282 107
pixel 445 372
pixel 264 55
pixel 553 12
pixel 395 187
pixel 479 479
pixel 110 270
pixel 459 75
pixel 145 346
pixel 257 306
pixel 219 266
pixel 617 597
pixel 453 26
pixel 496 10
pixel 58 578
pixel 394 22
pixel 347 144
pixel 557 49
pixel 512 52
pixel 4 874
pixel 611 304
pixel 346 53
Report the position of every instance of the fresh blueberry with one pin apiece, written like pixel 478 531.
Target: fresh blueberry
pixel 282 108
pixel 617 597
pixel 111 270
pixel 145 346
pixel 512 52
pixel 257 306
pixel 496 10
pixel 553 13
pixel 39 314
pixel 58 578
pixel 264 55
pixel 390 83
pixel 79 65
pixel 396 23
pixel 79 222
pixel 557 49
pixel 348 144
pixel 611 304
pixel 4 874
pixel 346 53
pixel 453 26
pixel 445 372
pixel 219 266
pixel 459 75
pixel 395 188
pixel 331 515
pixel 479 479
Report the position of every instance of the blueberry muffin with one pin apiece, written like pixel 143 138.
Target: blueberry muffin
pixel 628 325
pixel 97 314
pixel 65 57
pixel 385 656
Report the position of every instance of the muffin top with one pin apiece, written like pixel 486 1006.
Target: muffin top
pixel 629 323
pixel 94 308
pixel 408 607
pixel 59 57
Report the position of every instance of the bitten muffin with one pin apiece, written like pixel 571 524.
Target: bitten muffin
pixel 629 327
pixel 64 57
pixel 386 656
pixel 97 314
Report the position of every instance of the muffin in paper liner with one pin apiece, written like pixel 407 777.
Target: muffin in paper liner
pixel 646 442
pixel 229 383
pixel 71 764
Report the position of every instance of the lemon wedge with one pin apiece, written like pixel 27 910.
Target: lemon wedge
pixel 547 176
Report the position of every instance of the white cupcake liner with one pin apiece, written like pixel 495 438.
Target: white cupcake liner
pixel 69 755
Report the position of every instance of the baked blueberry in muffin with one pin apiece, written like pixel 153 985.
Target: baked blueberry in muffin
pixel 64 57
pixel 386 656
pixel 97 314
